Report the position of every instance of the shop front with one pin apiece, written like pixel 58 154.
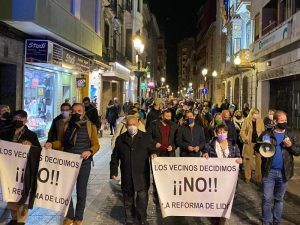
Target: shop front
pixel 52 75
pixel 115 83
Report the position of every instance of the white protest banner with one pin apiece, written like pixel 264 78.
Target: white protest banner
pixel 195 186
pixel 57 175
pixel 13 158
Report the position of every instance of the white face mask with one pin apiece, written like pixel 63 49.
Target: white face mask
pixel 271 117
pixel 65 114
pixel 132 130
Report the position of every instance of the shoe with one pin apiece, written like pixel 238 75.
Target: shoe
pixel 68 221
pixel 12 222
pixel 77 222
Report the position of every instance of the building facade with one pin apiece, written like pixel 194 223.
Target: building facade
pixel 58 57
pixel 239 79
pixel 210 49
pixel 276 54
pixel 186 64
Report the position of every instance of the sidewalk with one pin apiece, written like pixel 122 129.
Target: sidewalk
pixel 104 202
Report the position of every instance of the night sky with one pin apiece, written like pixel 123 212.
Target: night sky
pixel 177 19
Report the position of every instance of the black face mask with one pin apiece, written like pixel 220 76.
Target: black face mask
pixel 239 117
pixel 75 117
pixel 19 124
pixel 281 126
pixel 6 115
pixel 167 121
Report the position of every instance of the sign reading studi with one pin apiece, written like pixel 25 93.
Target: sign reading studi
pixel 36 51
pixel 195 187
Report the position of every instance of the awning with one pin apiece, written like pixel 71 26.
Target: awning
pixel 117 72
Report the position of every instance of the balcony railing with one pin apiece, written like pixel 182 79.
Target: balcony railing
pixel 111 55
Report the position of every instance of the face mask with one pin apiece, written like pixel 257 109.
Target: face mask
pixel 222 137
pixel 167 121
pixel 271 117
pixel 65 114
pixel 75 117
pixel 227 120
pixel 6 115
pixel 132 130
pixel 238 117
pixel 196 112
pixel 218 121
pixel 190 120
pixel 281 126
pixel 19 124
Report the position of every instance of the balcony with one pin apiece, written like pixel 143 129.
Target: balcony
pixel 230 68
pixel 36 18
pixel 111 55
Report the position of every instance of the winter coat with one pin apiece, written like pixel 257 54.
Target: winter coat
pixel 187 136
pixel 133 153
pixel 92 133
pixel 210 148
pixel 92 113
pixel 152 115
pixel 57 129
pixel 156 132
pixel 112 114
pixel 31 170
pixel 246 135
pixel 287 154
pixel 121 128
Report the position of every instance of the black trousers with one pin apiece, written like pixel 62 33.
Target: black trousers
pixel 135 205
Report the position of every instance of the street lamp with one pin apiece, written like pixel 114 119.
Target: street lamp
pixel 139 47
pixel 190 84
pixel 162 81
pixel 214 73
pixel 237 62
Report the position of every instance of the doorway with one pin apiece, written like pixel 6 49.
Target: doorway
pixel 8 83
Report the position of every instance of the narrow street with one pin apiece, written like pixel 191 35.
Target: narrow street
pixel 104 201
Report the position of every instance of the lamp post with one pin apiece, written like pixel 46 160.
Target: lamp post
pixel 139 47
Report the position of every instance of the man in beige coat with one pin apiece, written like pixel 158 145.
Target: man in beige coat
pixel 251 129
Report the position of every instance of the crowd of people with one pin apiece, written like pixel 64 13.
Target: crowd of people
pixel 163 128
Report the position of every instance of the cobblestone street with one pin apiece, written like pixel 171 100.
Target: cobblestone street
pixel 104 205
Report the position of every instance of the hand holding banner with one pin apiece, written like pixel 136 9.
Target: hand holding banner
pixel 195 186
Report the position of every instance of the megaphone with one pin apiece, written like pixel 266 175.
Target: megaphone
pixel 266 149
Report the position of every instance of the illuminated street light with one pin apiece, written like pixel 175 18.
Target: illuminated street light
pixel 204 72
pixel 237 60
pixel 139 47
pixel 190 84
pixel 214 73
pixel 167 86
pixel 184 88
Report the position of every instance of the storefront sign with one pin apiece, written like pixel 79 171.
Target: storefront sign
pixel 80 82
pixel 36 51
pixel 276 36
pixel 74 61
pixel 196 187
pixel 143 86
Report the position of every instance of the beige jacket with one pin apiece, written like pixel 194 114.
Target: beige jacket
pixel 246 134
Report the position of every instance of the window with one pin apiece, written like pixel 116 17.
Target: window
pixel 256 27
pixel 249 33
pixel 39 97
pixel 237 45
pixel 139 5
pixel 106 35
pixel 282 11
pixel 296 6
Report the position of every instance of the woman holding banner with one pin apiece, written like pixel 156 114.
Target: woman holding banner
pixel 220 147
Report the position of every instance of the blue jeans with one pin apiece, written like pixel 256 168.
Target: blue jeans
pixel 273 185
pixel 81 191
